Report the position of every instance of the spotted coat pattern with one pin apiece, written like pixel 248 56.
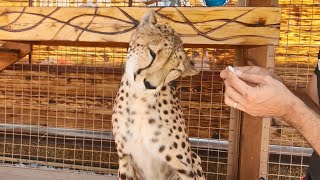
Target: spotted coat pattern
pixel 148 123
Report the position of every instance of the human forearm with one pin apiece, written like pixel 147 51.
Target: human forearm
pixel 305 120
pixel 312 89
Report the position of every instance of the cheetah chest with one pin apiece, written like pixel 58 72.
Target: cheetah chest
pixel 144 124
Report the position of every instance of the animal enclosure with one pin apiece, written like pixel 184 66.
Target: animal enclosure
pixel 57 101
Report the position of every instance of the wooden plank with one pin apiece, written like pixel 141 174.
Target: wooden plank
pixel 266 122
pixel 264 150
pixel 125 45
pixel 264 3
pixel 233 148
pixel 235 122
pixel 24 49
pixel 198 25
pixel 257 3
pixel 255 131
pixel 250 145
pixel 11 52
pixel 13 173
pixel 6 50
pixel 263 57
pixel 7 57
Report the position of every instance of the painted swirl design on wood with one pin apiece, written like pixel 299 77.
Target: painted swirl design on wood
pixel 198 25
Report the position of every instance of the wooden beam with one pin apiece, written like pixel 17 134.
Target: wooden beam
pixel 233 148
pixel 255 131
pixel 125 45
pixel 24 49
pixel 258 3
pixel 11 52
pixel 7 56
pixel 234 125
pixel 198 25
pixel 250 147
pixel 265 3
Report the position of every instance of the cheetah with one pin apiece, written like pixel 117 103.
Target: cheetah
pixel 147 120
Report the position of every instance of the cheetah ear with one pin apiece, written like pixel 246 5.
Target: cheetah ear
pixel 149 18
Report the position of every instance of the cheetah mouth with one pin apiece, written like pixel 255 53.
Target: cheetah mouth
pixel 148 85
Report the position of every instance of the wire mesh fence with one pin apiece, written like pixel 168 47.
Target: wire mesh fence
pixel 296 59
pixel 56 109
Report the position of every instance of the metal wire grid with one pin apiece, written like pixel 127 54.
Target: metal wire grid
pixel 295 61
pixel 66 135
pixel 58 117
pixel 296 58
pixel 56 111
pixel 206 114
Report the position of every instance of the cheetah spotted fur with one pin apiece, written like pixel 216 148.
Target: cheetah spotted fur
pixel 148 124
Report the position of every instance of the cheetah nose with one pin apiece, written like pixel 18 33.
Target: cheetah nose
pixel 148 85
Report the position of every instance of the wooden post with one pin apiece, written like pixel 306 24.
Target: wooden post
pixel 234 126
pixel 31 46
pixel 254 131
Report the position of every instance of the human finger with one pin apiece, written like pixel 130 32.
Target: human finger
pixel 253 70
pixel 223 73
pixel 258 71
pixel 238 84
pixel 253 78
pixel 232 93
pixel 232 103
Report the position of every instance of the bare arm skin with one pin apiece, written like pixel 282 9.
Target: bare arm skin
pixel 306 121
pixel 261 94
pixel 312 89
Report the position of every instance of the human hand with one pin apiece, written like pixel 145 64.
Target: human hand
pixel 257 91
pixel 252 70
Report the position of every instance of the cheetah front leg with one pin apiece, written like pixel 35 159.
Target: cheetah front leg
pixel 126 171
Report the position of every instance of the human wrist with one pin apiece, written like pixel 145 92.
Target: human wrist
pixel 295 105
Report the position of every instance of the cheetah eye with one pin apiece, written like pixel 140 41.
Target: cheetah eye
pixel 152 54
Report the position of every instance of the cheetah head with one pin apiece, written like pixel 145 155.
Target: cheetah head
pixel 156 55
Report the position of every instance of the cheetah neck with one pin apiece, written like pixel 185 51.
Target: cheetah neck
pixel 138 87
pixel 136 81
pixel 149 97
pixel 136 92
